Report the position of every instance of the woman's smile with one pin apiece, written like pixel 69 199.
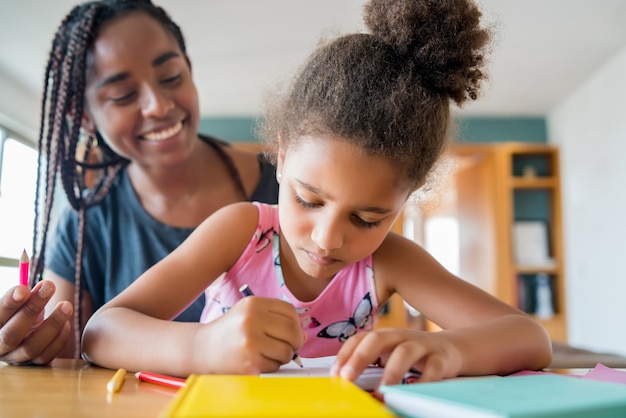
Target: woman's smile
pixel 163 134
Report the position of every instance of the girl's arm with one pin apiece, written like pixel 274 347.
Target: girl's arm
pixel 134 330
pixel 481 334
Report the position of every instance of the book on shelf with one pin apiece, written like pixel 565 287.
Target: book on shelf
pixel 256 396
pixel 530 243
pixel 536 396
pixel 535 294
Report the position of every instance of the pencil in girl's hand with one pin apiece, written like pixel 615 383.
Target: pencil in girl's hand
pixel 245 292
pixel 24 267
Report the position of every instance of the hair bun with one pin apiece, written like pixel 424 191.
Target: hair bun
pixel 443 38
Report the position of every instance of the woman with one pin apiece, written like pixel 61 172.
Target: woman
pixel 120 103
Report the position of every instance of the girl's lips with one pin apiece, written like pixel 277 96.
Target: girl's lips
pixel 163 134
pixel 322 261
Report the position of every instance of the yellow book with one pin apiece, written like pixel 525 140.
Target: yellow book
pixel 254 396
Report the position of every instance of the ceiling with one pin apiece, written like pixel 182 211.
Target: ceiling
pixel 240 48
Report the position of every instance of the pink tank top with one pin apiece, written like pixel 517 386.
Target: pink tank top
pixel 346 306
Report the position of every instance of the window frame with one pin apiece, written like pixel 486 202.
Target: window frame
pixel 6 133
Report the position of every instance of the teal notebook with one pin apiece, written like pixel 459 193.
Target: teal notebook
pixel 536 396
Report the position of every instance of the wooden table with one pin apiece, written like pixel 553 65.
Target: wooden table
pixel 72 388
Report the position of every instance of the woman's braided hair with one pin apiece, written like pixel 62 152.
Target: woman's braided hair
pixel 65 152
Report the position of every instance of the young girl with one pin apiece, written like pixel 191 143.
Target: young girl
pixel 356 134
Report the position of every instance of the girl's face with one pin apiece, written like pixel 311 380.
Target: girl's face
pixel 336 204
pixel 139 94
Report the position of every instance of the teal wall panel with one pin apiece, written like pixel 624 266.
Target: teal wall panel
pixel 230 129
pixel 472 129
pixel 477 129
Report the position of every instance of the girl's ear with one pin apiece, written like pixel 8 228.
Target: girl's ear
pixel 279 164
pixel 280 157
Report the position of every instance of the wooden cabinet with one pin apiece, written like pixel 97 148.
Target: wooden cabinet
pixel 497 186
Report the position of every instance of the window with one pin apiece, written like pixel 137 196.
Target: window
pixel 18 177
pixel 442 241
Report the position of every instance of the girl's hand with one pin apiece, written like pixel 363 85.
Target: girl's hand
pixel 399 351
pixel 256 335
pixel 25 337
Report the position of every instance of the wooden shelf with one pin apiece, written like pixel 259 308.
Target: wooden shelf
pixel 493 186
pixel 550 269
pixel 534 183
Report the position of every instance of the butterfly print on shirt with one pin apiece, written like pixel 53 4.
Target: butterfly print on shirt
pixel 343 330
pixel 265 238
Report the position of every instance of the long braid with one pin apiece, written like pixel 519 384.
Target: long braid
pixel 48 164
pixel 60 133
pixel 76 185
pixel 37 260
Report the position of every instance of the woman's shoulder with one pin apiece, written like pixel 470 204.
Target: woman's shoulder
pixel 257 173
pixel 244 157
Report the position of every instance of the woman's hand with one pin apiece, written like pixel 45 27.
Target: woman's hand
pixel 256 335
pixel 25 337
pixel 399 351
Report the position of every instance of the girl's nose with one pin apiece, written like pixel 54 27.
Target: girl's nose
pixel 328 234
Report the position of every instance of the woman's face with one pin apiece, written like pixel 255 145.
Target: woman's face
pixel 140 95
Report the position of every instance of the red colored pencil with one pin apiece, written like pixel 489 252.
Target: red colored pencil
pixel 24 266
pixel 160 379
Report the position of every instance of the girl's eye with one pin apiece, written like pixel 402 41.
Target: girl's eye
pixel 360 222
pixel 304 203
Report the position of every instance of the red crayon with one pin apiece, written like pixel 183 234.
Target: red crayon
pixel 24 267
pixel 160 379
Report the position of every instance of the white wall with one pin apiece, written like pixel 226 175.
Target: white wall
pixel 19 108
pixel 590 128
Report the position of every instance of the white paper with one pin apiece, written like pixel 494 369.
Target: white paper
pixel 320 366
